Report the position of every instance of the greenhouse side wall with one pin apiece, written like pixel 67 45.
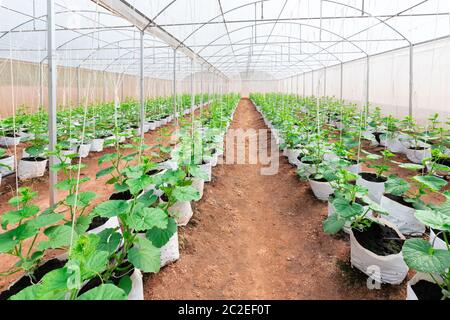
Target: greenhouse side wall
pixel 388 81
pixel 20 86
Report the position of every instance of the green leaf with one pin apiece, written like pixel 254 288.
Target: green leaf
pixel 187 193
pixel 421 256
pixel 95 264
pixel 437 219
pixel 53 286
pixel 137 185
pixel 148 198
pixel 82 224
pixel 345 209
pixel 45 220
pixel 7 241
pixel 396 186
pixel 197 172
pixel 25 231
pixel 13 217
pixel 83 199
pixel 111 208
pixel 431 182
pixel 35 151
pixel 104 172
pixel 375 206
pixel 107 157
pixel 109 240
pixel 104 292
pixel 125 284
pixel 159 237
pixel 333 224
pixel 411 166
pixel 147 218
pixel 145 256
pixel 58 236
pixel 68 184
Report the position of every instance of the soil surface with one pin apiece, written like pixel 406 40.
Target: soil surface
pixel 425 290
pixel 379 239
pixel 257 236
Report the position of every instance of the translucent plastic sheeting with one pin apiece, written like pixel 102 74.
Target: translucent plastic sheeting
pixel 311 33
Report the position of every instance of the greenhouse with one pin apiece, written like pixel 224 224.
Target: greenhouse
pixel 224 150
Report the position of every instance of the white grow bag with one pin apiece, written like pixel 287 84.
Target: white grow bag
pixel 402 216
pixel 9 161
pixel 207 168
pixel 137 286
pixel 97 145
pixel 322 190
pixel 170 252
pixel 182 211
pixel 31 169
pixel 417 156
pixel 199 185
pixel 9 141
pixel 83 150
pixel 376 189
pixel 390 269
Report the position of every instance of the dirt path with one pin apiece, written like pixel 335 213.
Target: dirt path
pixel 260 237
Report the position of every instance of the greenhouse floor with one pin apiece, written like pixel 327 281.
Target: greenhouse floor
pixel 260 237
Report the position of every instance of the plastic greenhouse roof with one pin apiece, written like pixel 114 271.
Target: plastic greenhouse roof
pixel 278 37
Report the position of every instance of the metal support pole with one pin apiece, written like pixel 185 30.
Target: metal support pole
pixel 304 84
pixel 342 81
pixel 411 78
pixel 312 83
pixel 141 86
pixel 174 88
pixel 367 81
pixel 192 92
pixel 78 87
pixel 104 86
pixel 51 58
pixel 325 82
pixel 41 85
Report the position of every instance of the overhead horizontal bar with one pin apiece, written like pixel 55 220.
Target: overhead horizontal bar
pixel 300 19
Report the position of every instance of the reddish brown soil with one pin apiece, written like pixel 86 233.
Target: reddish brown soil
pixel 260 237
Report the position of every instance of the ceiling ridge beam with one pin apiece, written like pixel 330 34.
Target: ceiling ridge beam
pixel 125 10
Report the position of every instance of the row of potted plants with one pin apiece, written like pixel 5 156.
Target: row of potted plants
pixel 80 131
pixel 104 251
pixel 328 140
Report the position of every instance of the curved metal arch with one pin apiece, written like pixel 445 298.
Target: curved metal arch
pixel 123 55
pixel 93 52
pixel 245 47
pixel 289 37
pixel 330 1
pixel 40 18
pixel 288 22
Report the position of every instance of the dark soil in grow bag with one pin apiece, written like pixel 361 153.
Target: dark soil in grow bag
pixel 115 278
pixel 25 281
pixel 12 135
pixel 426 290
pixel 125 195
pixel 97 222
pixel 372 177
pixel 34 159
pixel 154 172
pixel 399 200
pixel 418 148
pixel 379 239
pixel 378 136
